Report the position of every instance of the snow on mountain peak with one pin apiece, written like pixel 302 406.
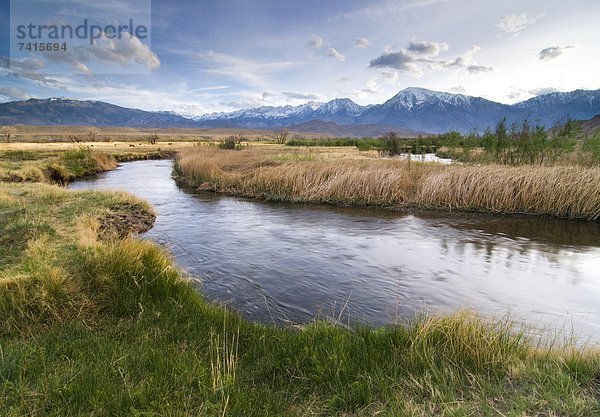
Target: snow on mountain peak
pixel 412 97
pixel 340 105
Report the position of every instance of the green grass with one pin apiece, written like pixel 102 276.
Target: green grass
pixel 52 167
pixel 93 326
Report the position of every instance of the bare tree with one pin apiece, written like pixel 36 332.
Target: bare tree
pixel 8 132
pixel 152 138
pixel 240 138
pixel 92 134
pixel 281 136
pixel 73 138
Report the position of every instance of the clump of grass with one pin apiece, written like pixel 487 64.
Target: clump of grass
pixel 83 161
pixel 41 278
pixel 52 167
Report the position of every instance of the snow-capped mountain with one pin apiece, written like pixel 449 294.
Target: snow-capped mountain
pixel 414 97
pixel 412 109
pixel 341 107
pixel 553 108
pixel 436 112
pixel 259 117
pixel 265 112
pixel 424 110
pixel 341 111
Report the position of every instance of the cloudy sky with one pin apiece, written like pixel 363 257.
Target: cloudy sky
pixel 222 55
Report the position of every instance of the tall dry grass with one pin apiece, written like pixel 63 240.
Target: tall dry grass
pixel 347 179
pixel 570 192
pixel 266 174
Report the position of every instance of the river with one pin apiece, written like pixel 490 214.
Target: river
pixel 291 263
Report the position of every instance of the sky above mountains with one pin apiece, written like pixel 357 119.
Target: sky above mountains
pixel 229 54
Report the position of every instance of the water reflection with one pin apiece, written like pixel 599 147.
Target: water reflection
pixel 279 262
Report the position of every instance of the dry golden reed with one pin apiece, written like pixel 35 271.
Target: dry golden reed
pixel 570 192
pixel 314 177
pixel 265 174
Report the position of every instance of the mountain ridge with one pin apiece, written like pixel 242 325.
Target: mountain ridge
pixel 413 109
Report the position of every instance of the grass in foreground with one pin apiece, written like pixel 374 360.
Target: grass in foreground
pixel 347 178
pixel 91 324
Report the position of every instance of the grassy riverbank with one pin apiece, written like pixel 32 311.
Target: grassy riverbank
pixel 61 163
pixel 94 324
pixel 349 177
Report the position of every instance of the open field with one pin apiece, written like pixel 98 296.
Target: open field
pixel 94 323
pixel 134 135
pixel 345 176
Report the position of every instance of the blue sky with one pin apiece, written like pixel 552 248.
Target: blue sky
pixel 223 55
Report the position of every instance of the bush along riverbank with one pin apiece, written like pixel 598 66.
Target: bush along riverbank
pixel 346 178
pixel 96 323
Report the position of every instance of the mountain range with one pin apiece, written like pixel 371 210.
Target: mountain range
pixel 412 111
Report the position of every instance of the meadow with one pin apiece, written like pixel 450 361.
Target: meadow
pixel 94 321
pixel 102 134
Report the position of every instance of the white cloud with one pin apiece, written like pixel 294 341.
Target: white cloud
pixel 428 49
pixel 124 51
pixel 13 94
pixel 467 63
pixel 552 52
pixel 515 23
pixel 422 57
pixel 243 70
pixel 389 76
pixel 385 8
pixel 362 42
pixel 372 86
pixel 301 96
pixel 479 69
pixel 315 42
pixel 402 61
pixel 26 68
pixel 459 89
pixel 543 90
pixel 104 88
pixel 517 94
pixel 335 54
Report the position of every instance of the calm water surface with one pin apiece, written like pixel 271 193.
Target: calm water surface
pixel 291 263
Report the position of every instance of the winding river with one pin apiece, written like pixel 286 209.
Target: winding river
pixel 291 263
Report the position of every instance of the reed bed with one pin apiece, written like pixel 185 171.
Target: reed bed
pixel 569 192
pixel 346 178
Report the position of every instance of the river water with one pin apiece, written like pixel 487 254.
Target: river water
pixel 291 263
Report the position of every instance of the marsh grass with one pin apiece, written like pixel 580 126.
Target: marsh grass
pixel 106 326
pixel 569 192
pixel 321 177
